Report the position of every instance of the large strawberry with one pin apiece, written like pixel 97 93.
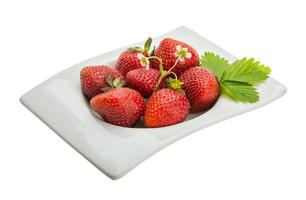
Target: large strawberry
pixel 134 58
pixel 172 51
pixel 165 107
pixel 144 81
pixel 93 79
pixel 201 88
pixel 120 106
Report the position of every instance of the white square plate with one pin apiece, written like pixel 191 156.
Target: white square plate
pixel 115 150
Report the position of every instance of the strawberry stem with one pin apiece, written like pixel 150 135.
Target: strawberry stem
pixel 159 59
pixel 174 74
pixel 176 61
pixel 164 73
pixel 158 82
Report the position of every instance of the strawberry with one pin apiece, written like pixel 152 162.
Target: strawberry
pixel 201 88
pixel 93 79
pixel 120 106
pixel 134 58
pixel 144 81
pixel 169 50
pixel 165 107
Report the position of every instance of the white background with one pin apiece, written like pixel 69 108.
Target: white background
pixel 258 155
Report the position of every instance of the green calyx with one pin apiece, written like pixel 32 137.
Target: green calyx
pixel 153 51
pixel 113 83
pixel 174 83
pixel 146 47
pixel 136 49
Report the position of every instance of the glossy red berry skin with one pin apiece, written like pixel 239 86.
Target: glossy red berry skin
pixel 166 51
pixel 128 61
pixel 201 88
pixel 144 81
pixel 165 107
pixel 120 106
pixel 93 79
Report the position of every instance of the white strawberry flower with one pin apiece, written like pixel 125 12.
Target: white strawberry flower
pixel 182 53
pixel 144 61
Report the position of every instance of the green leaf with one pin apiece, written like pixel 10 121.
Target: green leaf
pixel 137 49
pixel 240 91
pixel 264 68
pixel 214 63
pixel 237 80
pixel 147 45
pixel 246 70
pixel 109 81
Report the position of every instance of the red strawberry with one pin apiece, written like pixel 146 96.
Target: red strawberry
pixel 134 58
pixel 201 88
pixel 120 106
pixel 93 79
pixel 166 107
pixel 169 50
pixel 144 81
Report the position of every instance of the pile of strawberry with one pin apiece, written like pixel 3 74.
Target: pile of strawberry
pixel 166 84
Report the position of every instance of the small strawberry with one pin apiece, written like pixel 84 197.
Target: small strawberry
pixel 201 88
pixel 172 51
pixel 93 79
pixel 144 81
pixel 134 58
pixel 120 106
pixel 165 107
